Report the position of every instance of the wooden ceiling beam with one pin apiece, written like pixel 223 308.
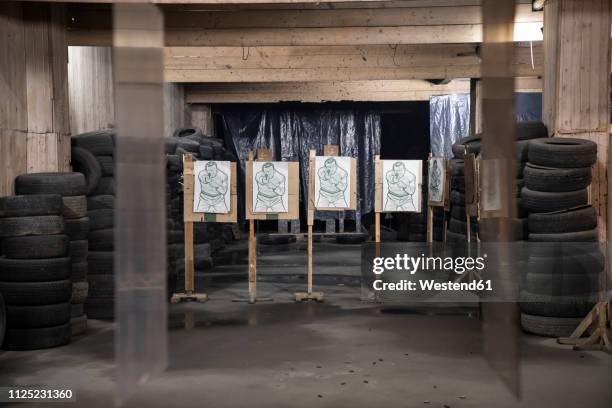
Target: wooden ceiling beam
pixel 342 63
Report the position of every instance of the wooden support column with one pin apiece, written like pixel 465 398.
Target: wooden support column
pixel 576 95
pixel 201 117
pixel 34 119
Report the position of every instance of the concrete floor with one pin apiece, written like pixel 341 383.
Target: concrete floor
pixel 340 353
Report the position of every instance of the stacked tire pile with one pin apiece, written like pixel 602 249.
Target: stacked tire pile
pixel 457 223
pixel 34 272
pixel 525 133
pixel 72 188
pixel 93 155
pixel 565 261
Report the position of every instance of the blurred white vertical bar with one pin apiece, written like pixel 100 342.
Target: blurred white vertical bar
pixel 141 349
pixel 498 168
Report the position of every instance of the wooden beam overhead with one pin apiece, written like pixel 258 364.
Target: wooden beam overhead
pixel 333 91
pixel 401 25
pixel 340 63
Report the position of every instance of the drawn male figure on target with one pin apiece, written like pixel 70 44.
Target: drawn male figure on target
pixel 333 182
pixel 401 184
pixel 271 186
pixel 214 185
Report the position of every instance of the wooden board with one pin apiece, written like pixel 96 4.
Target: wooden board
pixel 188 190
pixel 294 195
pixel 471 185
pixel 333 63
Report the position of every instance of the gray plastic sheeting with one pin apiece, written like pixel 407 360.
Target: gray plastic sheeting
pixel 449 121
pixel 291 132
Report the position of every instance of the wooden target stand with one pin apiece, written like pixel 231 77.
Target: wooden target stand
pixel 444 204
pixel 293 185
pixel 189 217
pixel 472 206
pixel 598 319
pixel 328 150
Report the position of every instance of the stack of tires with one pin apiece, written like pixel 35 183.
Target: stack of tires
pixel 565 261
pixel 93 155
pixel 35 271
pixel 457 223
pixel 72 187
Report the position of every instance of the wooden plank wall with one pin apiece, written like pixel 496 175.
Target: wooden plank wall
pixel 577 83
pixel 90 80
pixel 34 117
pixel 176 112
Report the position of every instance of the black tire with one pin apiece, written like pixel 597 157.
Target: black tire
pixel 539 201
pixel 31 205
pixel 102 285
pixel 580 236
pixel 460 227
pixel 275 239
pixel 75 207
pixel 77 250
pixel 79 272
pixel 460 148
pixel 562 284
pixel 457 198
pixel 86 163
pixel 206 152
pixel 102 240
pixel 562 152
pixel 458 212
pixel 77 229
pixel 36 339
pixel 458 184
pixel 100 202
pixel 100 263
pixel 34 225
pixel 106 186
pixel 64 184
pixel 522 151
pixel 565 261
pixel 35 247
pixel 549 179
pixel 175 237
pixel 456 167
pixel 80 292
pixel 351 238
pixel 77 310
pixel 36 293
pixel 187 145
pixel 78 325
pixel 579 219
pixel 32 317
pixel 99 142
pixel 2 319
pixel 101 219
pixel 34 270
pixel 100 308
pixel 530 130
pixel 549 326
pixel 187 131
pixel 169 146
pixel 452 237
pixel 557 306
pixel 174 163
pixel 107 164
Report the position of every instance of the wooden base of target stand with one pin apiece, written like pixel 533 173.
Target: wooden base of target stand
pixel 600 338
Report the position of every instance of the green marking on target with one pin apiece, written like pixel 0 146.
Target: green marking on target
pixel 208 217
pixel 271 216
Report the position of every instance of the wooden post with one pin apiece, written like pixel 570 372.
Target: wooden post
pixel 600 339
pixel 252 262
pixel 310 295
pixel 189 262
pixel 377 201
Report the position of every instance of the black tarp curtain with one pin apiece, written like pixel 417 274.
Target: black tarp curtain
pixel 292 131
